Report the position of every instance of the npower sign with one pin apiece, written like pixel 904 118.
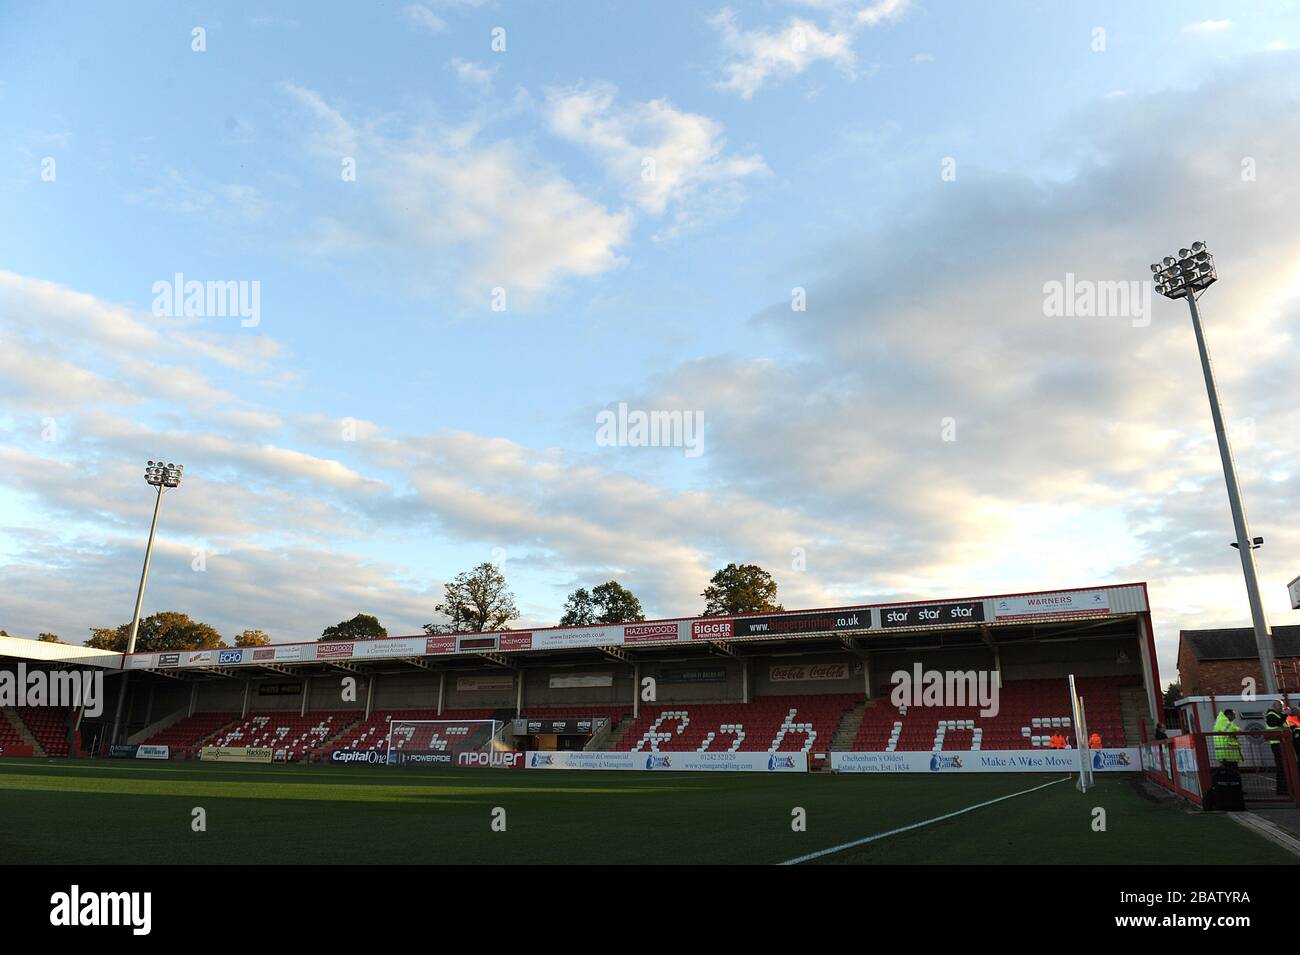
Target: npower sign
pixel 501 760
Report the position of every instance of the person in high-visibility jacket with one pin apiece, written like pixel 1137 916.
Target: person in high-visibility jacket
pixel 1275 719
pixel 1094 740
pixel 1226 747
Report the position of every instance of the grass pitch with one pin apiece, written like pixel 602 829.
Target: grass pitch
pixel 135 811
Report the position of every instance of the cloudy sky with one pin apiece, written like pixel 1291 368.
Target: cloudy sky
pixel 828 229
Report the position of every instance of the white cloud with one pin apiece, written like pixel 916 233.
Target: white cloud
pixel 1208 26
pixel 422 18
pixel 452 211
pixel 656 153
pixel 759 57
pixel 473 74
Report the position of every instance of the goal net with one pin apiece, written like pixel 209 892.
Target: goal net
pixel 440 741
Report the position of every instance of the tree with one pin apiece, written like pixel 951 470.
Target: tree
pixel 477 600
pixel 610 602
pixel 1173 693
pixel 168 630
pixel 579 609
pixel 361 627
pixel 252 638
pixel 49 638
pixel 740 588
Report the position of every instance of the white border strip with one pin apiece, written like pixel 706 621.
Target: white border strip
pixel 916 825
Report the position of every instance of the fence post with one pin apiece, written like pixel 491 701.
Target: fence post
pixel 1203 769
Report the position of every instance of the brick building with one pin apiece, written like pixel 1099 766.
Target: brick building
pixel 1216 661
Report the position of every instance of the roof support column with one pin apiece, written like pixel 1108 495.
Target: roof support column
pixel 370 693
pixel 442 688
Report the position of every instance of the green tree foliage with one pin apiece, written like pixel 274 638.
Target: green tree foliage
pixel 610 602
pixel 1173 693
pixel 168 630
pixel 252 638
pixel 49 638
pixel 361 627
pixel 740 588
pixel 477 600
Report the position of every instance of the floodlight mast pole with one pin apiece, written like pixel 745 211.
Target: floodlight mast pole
pixel 1263 633
pixel 162 477
pixel 1186 275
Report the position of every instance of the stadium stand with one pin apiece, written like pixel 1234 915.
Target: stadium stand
pixel 1029 712
pixel 290 735
pixel 9 735
pixel 190 733
pixel 49 725
pixel 788 724
pixel 372 733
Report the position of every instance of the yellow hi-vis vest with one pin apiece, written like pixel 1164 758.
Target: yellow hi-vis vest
pixel 1226 748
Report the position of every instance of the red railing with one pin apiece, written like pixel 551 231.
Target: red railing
pixel 1185 764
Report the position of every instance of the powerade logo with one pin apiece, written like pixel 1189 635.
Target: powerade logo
pixel 1113 760
pixel 940 762
pixel 775 762
pixel 231 656
pixel 658 762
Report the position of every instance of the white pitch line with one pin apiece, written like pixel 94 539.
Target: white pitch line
pixel 916 825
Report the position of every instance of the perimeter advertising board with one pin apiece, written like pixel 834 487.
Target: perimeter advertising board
pixel 986 761
pixel 720 761
pixel 236 754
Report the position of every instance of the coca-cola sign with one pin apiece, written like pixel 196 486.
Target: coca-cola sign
pixel 797 672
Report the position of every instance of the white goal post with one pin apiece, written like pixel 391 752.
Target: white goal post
pixel 439 741
pixel 1081 739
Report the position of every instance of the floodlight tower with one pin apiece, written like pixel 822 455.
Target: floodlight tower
pixel 162 476
pixel 1188 275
